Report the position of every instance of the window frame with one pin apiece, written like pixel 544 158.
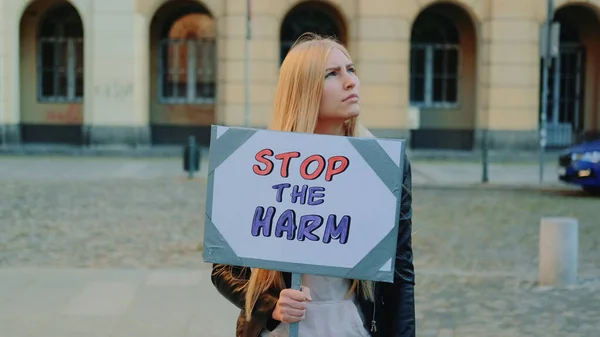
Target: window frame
pixel 192 96
pixel 73 70
pixel 428 81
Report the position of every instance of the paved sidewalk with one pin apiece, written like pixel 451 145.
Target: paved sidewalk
pixel 112 303
pixel 72 217
pixel 183 303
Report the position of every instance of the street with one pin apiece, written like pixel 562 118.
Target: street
pixel 76 232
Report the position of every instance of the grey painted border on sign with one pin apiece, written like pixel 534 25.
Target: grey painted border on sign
pixel 217 250
pixel 216 247
pixel 221 252
pixel 226 144
pixel 392 176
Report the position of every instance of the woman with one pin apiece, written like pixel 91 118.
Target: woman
pixel 318 92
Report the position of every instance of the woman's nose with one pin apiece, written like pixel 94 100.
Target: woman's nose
pixel 349 82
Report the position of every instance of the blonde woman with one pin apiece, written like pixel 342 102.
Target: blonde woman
pixel 318 92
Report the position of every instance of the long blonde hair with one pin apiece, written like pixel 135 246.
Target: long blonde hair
pixel 295 109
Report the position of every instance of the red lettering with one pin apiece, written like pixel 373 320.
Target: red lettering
pixel 260 157
pixel 332 170
pixel 285 158
pixel 332 167
pixel 320 167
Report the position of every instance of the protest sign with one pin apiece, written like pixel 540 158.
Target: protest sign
pixel 303 203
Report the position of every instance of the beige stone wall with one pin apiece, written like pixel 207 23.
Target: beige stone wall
pixel 381 48
pixel 9 74
pixel 509 65
pixel 3 54
pixel 499 83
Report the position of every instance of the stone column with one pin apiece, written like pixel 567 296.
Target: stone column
pixel 117 113
pixel 380 49
pixel 509 74
pixel 9 72
pixel 264 62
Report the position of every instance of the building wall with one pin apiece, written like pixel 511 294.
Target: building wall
pixel 498 80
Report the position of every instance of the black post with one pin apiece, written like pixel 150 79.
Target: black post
pixel 191 157
pixel 485 155
pixel 550 40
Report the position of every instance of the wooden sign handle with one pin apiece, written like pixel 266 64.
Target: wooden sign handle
pixel 296 284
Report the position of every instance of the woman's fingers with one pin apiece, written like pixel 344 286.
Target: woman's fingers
pixel 296 313
pixel 293 315
pixel 293 294
pixel 292 304
pixel 306 291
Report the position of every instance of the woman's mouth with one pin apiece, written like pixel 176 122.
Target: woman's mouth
pixel 352 97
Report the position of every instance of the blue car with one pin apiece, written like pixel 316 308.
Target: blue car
pixel 580 165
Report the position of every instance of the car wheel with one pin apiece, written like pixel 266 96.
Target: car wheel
pixel 592 190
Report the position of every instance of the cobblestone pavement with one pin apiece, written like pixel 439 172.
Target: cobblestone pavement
pixel 475 248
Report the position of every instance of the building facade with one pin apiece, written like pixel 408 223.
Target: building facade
pixel 153 72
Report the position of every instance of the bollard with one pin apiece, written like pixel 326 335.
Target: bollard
pixel 559 249
pixel 191 157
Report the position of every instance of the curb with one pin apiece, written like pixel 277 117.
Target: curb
pixel 548 187
pixel 474 156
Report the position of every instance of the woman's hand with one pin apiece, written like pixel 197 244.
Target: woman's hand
pixel 291 305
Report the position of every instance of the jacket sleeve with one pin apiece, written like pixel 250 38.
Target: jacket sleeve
pixel 230 281
pixel 404 276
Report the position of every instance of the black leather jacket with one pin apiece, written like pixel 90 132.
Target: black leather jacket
pixel 392 314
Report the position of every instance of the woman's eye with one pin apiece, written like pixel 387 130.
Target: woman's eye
pixel 352 70
pixel 330 73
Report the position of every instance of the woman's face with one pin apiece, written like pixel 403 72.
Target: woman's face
pixel 340 99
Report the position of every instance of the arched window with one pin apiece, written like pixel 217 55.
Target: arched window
pixel 434 61
pixel 60 55
pixel 188 60
pixel 309 17
pixel 565 80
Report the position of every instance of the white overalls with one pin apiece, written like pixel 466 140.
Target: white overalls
pixel 329 313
